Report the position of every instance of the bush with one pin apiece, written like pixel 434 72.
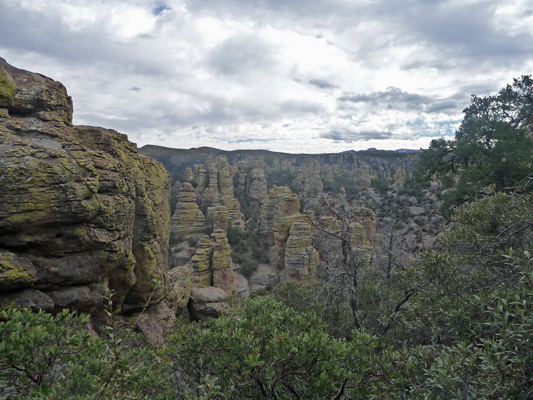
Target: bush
pixel 266 350
pixel 55 357
pixel 192 241
pixel 235 235
pixel 248 266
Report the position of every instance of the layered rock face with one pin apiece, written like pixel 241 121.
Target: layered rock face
pixel 250 179
pixel 279 211
pixel 213 278
pixel 290 232
pixel 301 258
pixel 187 218
pixel 80 209
pixel 215 189
pixel 212 263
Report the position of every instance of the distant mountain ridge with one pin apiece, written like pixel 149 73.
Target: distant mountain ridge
pixel 373 149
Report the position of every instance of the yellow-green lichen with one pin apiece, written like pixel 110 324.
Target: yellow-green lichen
pixel 7 91
pixel 13 276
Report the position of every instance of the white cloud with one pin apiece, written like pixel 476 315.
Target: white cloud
pixel 313 75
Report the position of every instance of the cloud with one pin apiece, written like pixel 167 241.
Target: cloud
pixel 299 75
pixel 242 54
pixel 397 99
pixel 322 84
pixel 354 135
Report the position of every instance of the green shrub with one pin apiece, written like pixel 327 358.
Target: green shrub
pixel 266 350
pixel 192 241
pixel 55 357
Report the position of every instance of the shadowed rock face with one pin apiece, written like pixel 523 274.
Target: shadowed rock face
pixel 80 209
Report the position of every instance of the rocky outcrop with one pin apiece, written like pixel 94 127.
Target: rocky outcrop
pixel 187 218
pixel 201 263
pixel 279 211
pixel 212 263
pixel 212 275
pixel 209 195
pixel 181 281
pixel 301 258
pixel 188 177
pixel 290 233
pixel 80 209
pixel 221 263
pixel 215 189
pixel 250 179
pixel 218 216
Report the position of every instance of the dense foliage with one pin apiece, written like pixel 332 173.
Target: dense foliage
pixel 55 357
pixel 493 145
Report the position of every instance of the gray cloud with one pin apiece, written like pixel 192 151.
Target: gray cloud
pixel 397 99
pixel 354 135
pixel 225 65
pixel 44 33
pixel 242 54
pixel 322 84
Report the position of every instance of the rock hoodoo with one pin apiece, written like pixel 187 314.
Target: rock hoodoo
pixel 250 179
pixel 187 218
pixel 215 189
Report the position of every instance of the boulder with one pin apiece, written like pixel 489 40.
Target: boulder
pixel 207 302
pixel 181 281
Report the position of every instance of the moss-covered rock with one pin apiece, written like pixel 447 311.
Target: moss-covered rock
pixel 7 90
pixel 15 273
pixel 78 205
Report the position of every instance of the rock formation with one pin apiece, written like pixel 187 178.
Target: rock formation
pixel 219 216
pixel 215 189
pixel 212 263
pixel 290 232
pixel 279 211
pixel 207 302
pixel 188 177
pixel 181 281
pixel 201 263
pixel 301 258
pixel 80 209
pixel 308 179
pixel 250 179
pixel 221 262
pixel 187 218
pixel 213 278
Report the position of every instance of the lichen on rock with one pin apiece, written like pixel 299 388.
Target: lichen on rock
pixel 80 209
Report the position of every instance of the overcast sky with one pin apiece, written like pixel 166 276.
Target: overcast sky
pixel 286 75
